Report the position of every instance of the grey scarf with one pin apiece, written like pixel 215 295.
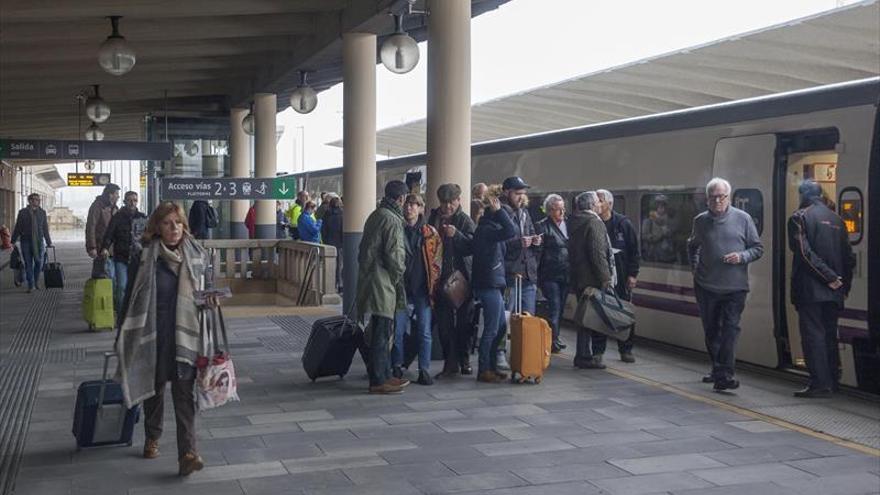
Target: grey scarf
pixel 136 345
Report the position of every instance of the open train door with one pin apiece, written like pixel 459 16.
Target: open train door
pixel 749 163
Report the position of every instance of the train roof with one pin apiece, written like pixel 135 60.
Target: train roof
pixel 841 95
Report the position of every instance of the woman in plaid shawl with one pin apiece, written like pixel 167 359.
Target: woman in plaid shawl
pixel 159 335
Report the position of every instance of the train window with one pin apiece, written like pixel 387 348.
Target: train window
pixel 850 208
pixel 666 222
pixel 751 201
pixel 620 204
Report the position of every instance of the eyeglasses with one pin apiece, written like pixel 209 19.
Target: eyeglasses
pixel 718 199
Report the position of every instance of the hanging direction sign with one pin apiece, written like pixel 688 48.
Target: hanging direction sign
pixel 227 188
pixel 87 180
pixel 55 149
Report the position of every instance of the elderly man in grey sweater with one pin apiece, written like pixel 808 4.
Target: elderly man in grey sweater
pixel 723 242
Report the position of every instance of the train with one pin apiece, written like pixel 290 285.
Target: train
pixel 765 147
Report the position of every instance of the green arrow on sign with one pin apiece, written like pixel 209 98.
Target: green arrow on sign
pixel 284 188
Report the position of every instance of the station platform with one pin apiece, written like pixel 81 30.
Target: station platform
pixel 648 427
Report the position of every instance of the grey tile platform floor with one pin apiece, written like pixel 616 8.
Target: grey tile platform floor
pixel 579 432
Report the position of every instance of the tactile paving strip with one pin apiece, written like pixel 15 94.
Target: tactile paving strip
pixel 297 326
pixel 825 419
pixel 65 356
pixel 18 383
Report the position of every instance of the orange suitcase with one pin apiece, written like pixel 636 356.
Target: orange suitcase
pixel 530 340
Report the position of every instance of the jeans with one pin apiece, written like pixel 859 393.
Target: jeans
pixel 817 323
pixel 120 281
pixel 381 332
pixel 422 308
pixel 32 266
pixel 493 319
pixel 184 414
pixel 556 294
pixel 720 314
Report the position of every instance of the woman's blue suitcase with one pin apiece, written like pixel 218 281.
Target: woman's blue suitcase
pixel 100 416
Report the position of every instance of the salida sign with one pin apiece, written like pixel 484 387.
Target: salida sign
pixel 228 189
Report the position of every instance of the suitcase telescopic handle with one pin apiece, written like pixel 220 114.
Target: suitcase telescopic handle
pixel 103 387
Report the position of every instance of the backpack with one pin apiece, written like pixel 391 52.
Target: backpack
pixel 212 219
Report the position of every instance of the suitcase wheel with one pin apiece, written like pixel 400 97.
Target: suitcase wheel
pixel 129 443
pixel 538 379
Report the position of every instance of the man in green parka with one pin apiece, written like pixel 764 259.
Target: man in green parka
pixel 380 289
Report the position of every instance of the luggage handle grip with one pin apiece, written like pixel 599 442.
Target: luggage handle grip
pixel 107 356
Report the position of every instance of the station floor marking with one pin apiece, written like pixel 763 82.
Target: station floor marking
pixel 864 449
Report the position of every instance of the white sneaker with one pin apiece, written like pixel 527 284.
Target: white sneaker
pixel 501 361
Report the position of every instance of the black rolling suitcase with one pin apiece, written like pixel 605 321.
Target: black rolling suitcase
pixel 100 416
pixel 53 275
pixel 331 347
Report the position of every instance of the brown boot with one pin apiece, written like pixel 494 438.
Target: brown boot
pixel 488 376
pixel 398 382
pixel 151 449
pixel 189 463
pixel 386 389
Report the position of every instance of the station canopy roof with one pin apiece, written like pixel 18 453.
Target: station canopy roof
pixel 209 55
pixel 835 46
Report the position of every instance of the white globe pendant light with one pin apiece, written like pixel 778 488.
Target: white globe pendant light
pixel 399 53
pixel 303 99
pixel 115 54
pixel 96 108
pixel 94 133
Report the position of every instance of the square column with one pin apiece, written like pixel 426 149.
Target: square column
pixel 265 109
pixel 358 150
pixel 449 98
pixel 239 155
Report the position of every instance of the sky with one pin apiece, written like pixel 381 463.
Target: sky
pixel 522 45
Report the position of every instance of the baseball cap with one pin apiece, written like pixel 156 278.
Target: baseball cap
pixel 514 183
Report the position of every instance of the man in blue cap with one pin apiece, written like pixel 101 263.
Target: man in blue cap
pixel 821 276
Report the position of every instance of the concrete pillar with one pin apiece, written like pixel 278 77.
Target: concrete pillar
pixel 265 108
pixel 449 98
pixel 358 149
pixel 239 155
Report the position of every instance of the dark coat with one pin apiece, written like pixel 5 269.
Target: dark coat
pixel 587 250
pixel 415 277
pixel 118 234
pixel 489 247
pixel 519 260
pixel 198 219
pixel 822 253
pixel 100 213
pixel 331 228
pixel 24 226
pixel 623 237
pixel 381 263
pixel 553 265
pixel 456 251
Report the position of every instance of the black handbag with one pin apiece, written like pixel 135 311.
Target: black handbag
pixel 602 311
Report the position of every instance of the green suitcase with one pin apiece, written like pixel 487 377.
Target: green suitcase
pixel 97 304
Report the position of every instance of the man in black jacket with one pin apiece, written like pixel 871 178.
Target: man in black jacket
pixel 331 233
pixel 625 242
pixel 522 251
pixel 553 268
pixel 455 324
pixel 32 227
pixel 821 277
pixel 198 219
pixel 120 236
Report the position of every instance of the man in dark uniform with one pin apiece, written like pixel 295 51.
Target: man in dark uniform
pixel 821 277
pixel 625 243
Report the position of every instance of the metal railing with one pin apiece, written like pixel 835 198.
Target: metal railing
pixel 295 272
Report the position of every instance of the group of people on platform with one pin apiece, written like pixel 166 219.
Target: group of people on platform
pixel 419 269
pixel 415 265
